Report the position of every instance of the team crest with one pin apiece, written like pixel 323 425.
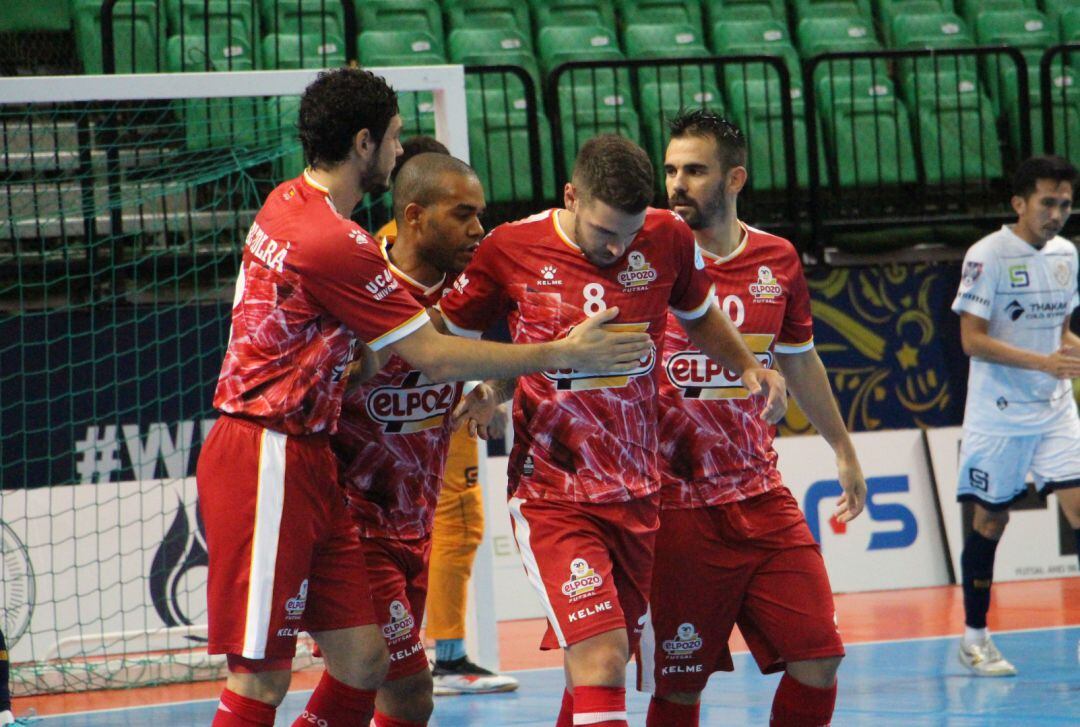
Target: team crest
pixel 294 607
pixel 1061 274
pixel 638 274
pixel 766 289
pixel 583 579
pixel 972 271
pixel 685 643
pixel 401 622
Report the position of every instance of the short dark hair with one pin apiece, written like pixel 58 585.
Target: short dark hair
pixel 615 171
pixel 421 180
pixel 730 141
pixel 336 106
pixel 419 144
pixel 1032 170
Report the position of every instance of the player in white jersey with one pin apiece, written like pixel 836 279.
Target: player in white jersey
pixel 1016 298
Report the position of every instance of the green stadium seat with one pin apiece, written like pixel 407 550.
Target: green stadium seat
pixel 660 12
pixel 1028 30
pixel 755 107
pixel 1070 25
pixel 214 122
pixel 191 17
pixel 1065 107
pixel 417 109
pixel 867 132
pixel 136 27
pixel 499 147
pixel 399 48
pixel 889 10
pixel 557 44
pixel 325 17
pixel 660 102
pixel 383 15
pixel 547 13
pixel 282 115
pixel 717 10
pixel 941 30
pixel 972 9
pixel 669 41
pixel 831 9
pixel 955 128
pixel 310 50
pixel 831 34
pixel 494 47
pixel 1057 8
pixel 489 14
pixel 51 15
pixel 756 37
pixel 587 116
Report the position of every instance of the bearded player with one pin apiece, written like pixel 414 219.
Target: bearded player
pixel 725 509
pixel 583 478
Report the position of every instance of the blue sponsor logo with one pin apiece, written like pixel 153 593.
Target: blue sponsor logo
pixel 880 512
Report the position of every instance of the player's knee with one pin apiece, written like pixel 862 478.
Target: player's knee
pixel 363 666
pixel 605 666
pixel 268 687
pixel 819 673
pixel 992 525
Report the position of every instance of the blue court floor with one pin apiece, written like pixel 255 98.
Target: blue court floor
pixel 910 683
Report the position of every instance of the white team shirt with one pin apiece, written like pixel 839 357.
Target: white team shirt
pixel 1026 295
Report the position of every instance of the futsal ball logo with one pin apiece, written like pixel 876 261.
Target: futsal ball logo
pixel 401 621
pixel 583 579
pixel 766 289
pixel 638 274
pixel 17 586
pixel 686 641
pixel 294 607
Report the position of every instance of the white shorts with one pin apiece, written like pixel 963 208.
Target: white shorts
pixel 993 469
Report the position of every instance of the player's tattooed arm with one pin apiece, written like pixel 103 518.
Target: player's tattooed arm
pixel 809 384
pixel 716 336
pixel 978 343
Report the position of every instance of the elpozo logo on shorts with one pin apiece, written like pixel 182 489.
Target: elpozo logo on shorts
pixel 401 622
pixel 574 380
pixel 699 377
pixel 583 579
pixel 685 643
pixel 638 274
pixel 411 406
pixel 766 289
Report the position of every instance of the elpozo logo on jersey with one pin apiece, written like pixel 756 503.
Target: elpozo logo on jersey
pixel 699 377
pixel 685 643
pixel 583 579
pixel 574 380
pixel 638 274
pixel 412 406
pixel 401 622
pixel 766 289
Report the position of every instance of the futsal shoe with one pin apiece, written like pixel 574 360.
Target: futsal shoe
pixel 461 676
pixel 984 660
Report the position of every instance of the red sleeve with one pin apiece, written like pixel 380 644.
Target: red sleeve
pixel 347 276
pixel 797 330
pixel 692 293
pixel 478 299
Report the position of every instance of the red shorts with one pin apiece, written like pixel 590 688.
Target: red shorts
pixel 589 563
pixel 753 563
pixel 398 572
pixel 284 555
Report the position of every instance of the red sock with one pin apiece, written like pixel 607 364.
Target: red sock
pixel 337 705
pixel 236 711
pixel 799 705
pixel 381 720
pixel 566 712
pixel 663 713
pixel 600 706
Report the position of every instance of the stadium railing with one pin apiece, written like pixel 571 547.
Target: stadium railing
pixel 1059 78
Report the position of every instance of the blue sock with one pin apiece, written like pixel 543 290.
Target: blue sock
pixel 449 649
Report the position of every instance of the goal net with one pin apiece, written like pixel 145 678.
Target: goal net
pixel 123 205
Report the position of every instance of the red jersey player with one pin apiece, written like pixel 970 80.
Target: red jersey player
pixel 724 507
pixel 583 475
pixel 283 554
pixel 395 427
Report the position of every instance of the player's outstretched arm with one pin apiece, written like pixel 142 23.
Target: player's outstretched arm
pixel 809 383
pixel 978 343
pixel 718 338
pixel 589 346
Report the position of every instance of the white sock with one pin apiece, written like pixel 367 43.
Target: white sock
pixel 975 636
pixel 6 717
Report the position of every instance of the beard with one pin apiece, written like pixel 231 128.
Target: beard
pixel 372 180
pixel 696 216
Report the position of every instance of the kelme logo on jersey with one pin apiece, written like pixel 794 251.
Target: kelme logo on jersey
pixel 401 622
pixel 699 377
pixel 638 274
pixel 583 579
pixel 412 406
pixel 574 380
pixel 686 641
pixel 547 276
pixel 766 289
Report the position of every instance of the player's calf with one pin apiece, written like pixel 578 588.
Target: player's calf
pixel 678 709
pixel 405 702
pixel 820 673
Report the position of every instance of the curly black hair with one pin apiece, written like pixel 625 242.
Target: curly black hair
pixel 336 106
pixel 1030 171
pixel 730 142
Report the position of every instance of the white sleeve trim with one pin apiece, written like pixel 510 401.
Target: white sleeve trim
pixel 394 335
pixel 456 329
pixel 689 315
pixel 797 348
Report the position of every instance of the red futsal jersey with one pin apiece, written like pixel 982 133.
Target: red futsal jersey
pixel 310 280
pixel 714 447
pixel 392 441
pixel 582 436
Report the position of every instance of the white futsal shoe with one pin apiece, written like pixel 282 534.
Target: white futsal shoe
pixel 461 676
pixel 984 660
